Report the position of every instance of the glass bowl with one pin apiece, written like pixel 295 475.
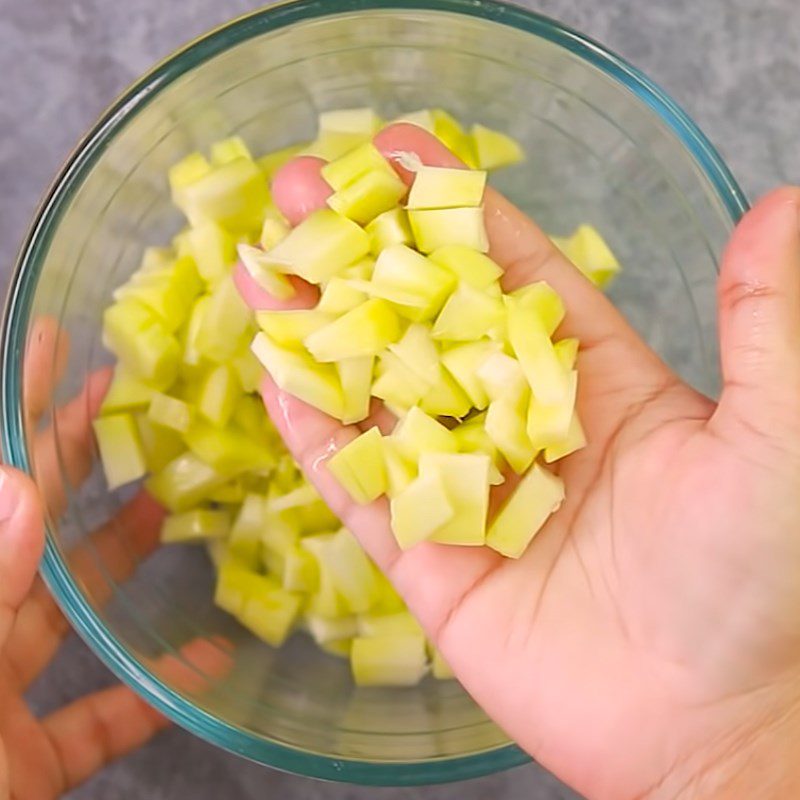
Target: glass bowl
pixel 605 146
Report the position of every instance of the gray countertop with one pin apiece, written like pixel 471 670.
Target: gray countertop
pixel 733 64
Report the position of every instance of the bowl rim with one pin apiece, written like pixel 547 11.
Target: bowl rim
pixel 28 267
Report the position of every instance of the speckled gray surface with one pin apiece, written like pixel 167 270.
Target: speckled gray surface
pixel 733 64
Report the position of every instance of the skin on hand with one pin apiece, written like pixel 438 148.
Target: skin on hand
pixel 42 759
pixel 647 645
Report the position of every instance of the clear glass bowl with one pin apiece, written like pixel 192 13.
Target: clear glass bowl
pixel 605 146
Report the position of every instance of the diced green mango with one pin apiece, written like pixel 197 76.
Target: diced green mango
pixel 339 297
pixel 248 529
pixel 300 572
pixel 270 163
pixel 126 393
pixel 297 373
pixel 464 362
pixel 590 253
pixel 218 395
pixel 213 250
pixel 418 511
pixel 390 227
pixel 120 449
pixel 156 259
pixel 325 629
pixel 388 660
pixel 247 369
pixel 298 497
pixel 355 375
pixel 229 451
pixel 424 284
pixel 188 170
pixel 417 350
pixel 270 614
pixel 542 299
pixel 468 265
pixel 445 398
pixel 230 149
pixel 332 145
pixel 397 384
pixel 466 481
pixel 195 526
pixel 471 437
pixel 361 270
pixel 573 441
pixel 531 343
pixel 390 601
pixel 340 648
pixel 537 496
pixel 422 118
pixel 191 352
pixel 236 582
pixel 170 412
pixel 275 229
pixel 567 352
pixel 360 468
pixel 229 494
pixel 392 624
pixel 502 377
pixel 290 328
pixel 445 187
pixel 439 227
pixel 159 445
pixel 353 574
pixel 321 246
pixel 326 601
pixel 350 120
pixel 233 195
pixel 400 471
pixel 417 433
pixel 184 482
pixel 440 668
pixel 506 425
pixel 364 331
pixel 549 424
pixel 449 131
pixel 468 314
pixel 369 195
pixel 265 272
pixel 494 149
pixel 224 322
pixel 143 346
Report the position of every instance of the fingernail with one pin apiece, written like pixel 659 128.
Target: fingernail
pixel 9 497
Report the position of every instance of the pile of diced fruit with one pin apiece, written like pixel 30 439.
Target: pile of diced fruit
pixel 410 311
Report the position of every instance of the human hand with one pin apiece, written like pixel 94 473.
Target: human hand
pixel 647 644
pixel 41 759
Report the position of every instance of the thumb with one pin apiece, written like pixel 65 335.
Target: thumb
pixel 759 320
pixel 21 543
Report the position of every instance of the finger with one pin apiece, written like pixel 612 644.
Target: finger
pixel 45 360
pixel 298 188
pixel 109 555
pixel 432 578
pixel 64 451
pixel 90 733
pixel 21 543
pixel 759 318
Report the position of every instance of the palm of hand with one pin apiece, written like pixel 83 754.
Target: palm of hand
pixel 624 648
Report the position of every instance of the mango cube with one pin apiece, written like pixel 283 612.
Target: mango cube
pixel 465 477
pixel 439 227
pixel 321 246
pixel 400 471
pixel 194 526
pixel 544 301
pixel 213 250
pixel 468 265
pixel 390 227
pixel 291 328
pixel 339 296
pixel 464 362
pixel 296 373
pixel 364 331
pixel 270 614
pixel 417 433
pixel 445 398
pixel 567 352
pixel 369 195
pixel 126 393
pixel 573 441
pixel 445 187
pixel 468 314
pixel 548 424
pixel 184 482
pixel 355 375
pixel 494 149
pixel 506 426
pixel 388 660
pixel 262 268
pixel 120 449
pixel 502 377
pixel 360 468
pixel 218 395
pixel 419 510
pixel 347 169
pixel 170 412
pixel 537 496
